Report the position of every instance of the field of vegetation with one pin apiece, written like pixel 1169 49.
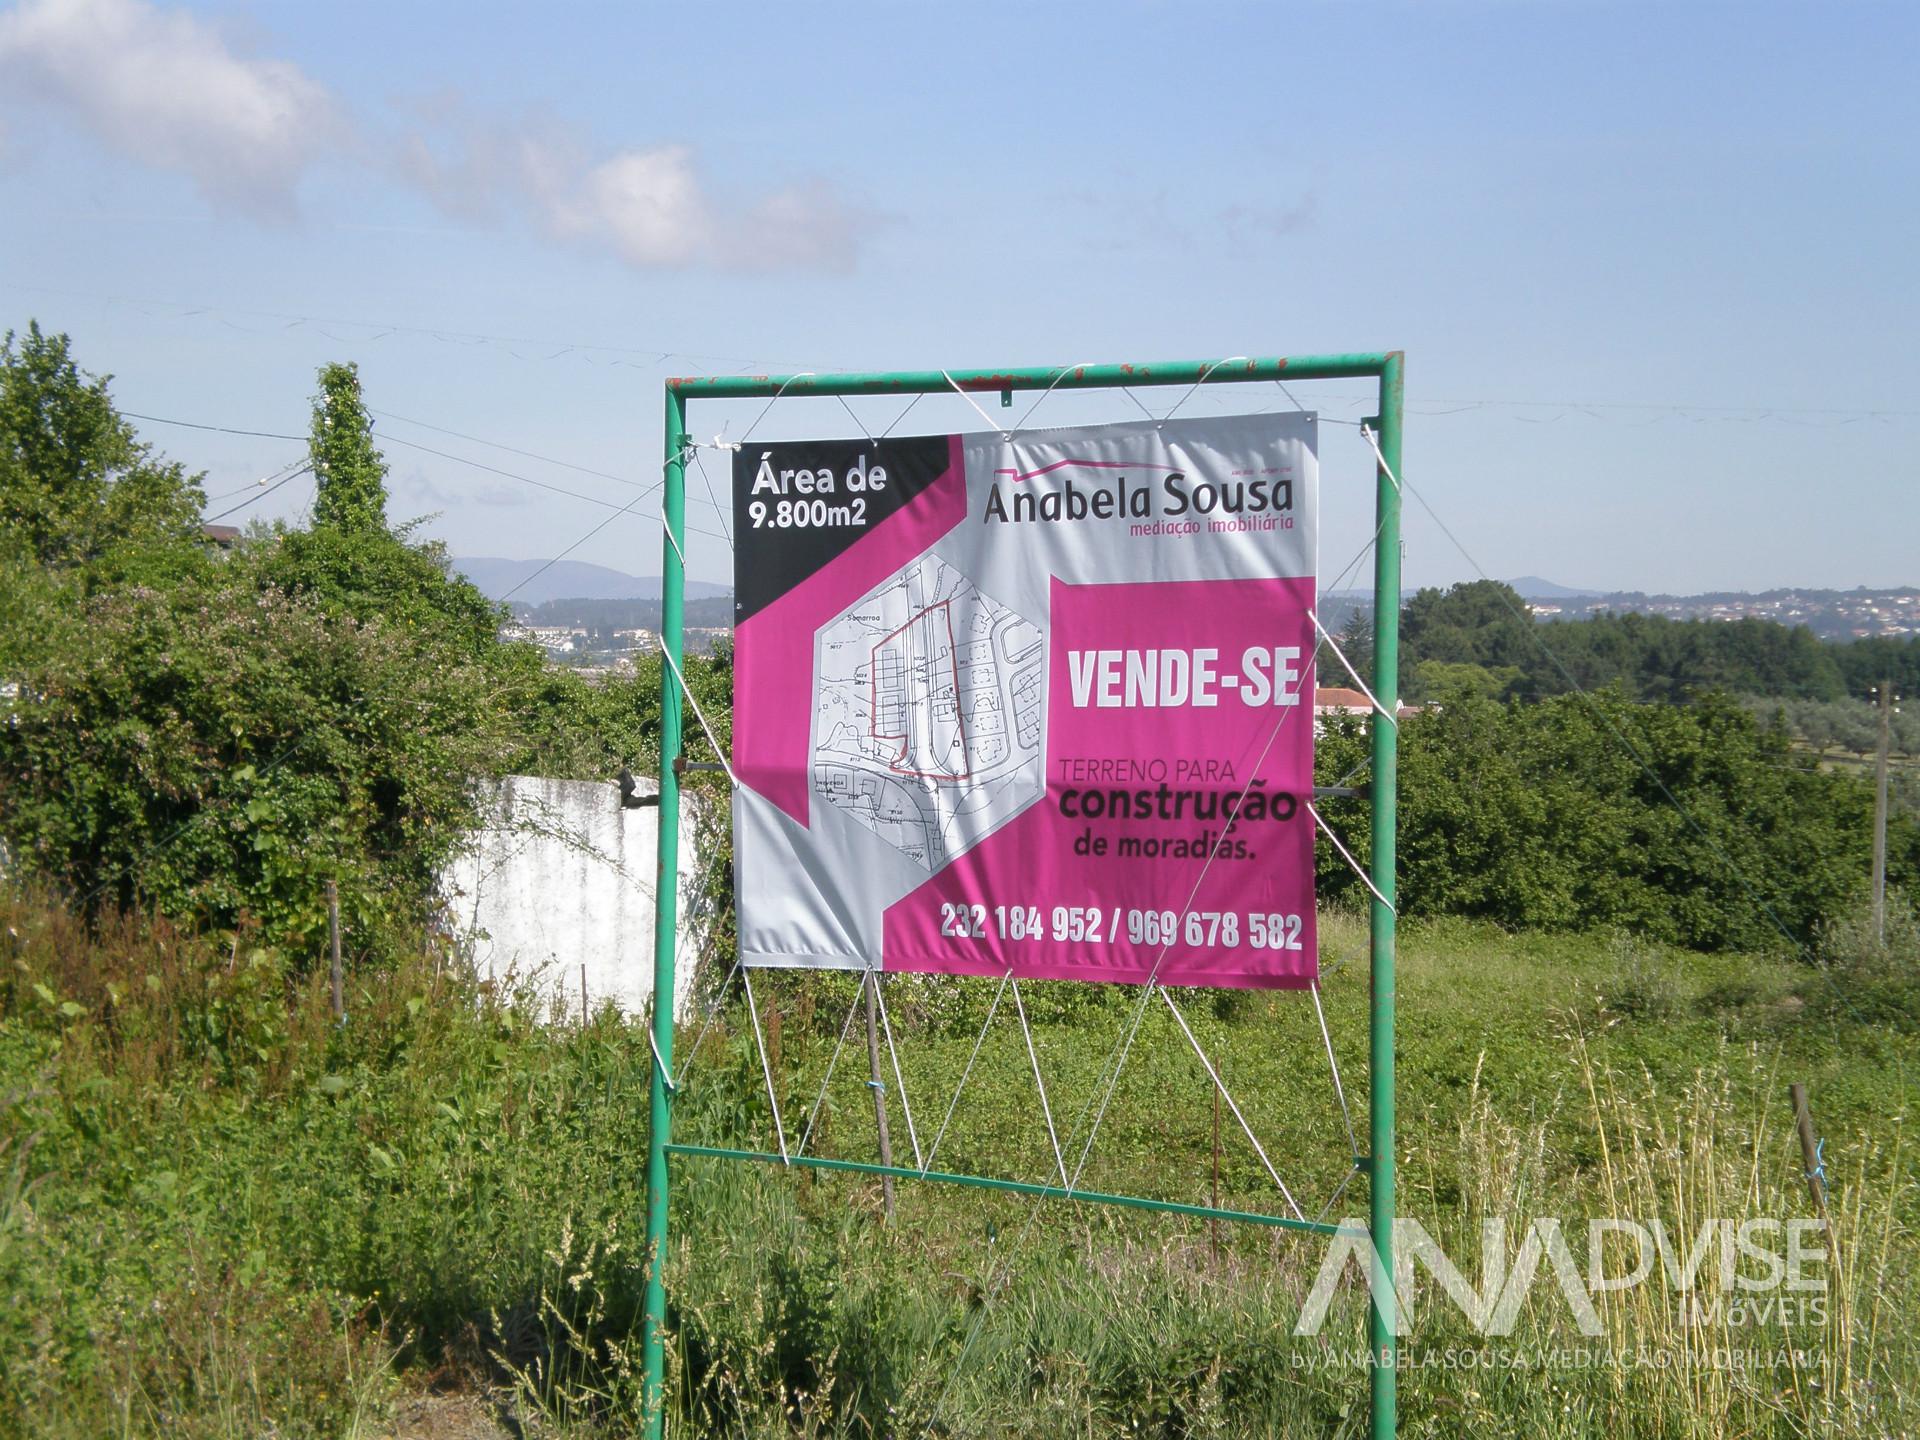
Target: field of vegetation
pixel 1633 918
pixel 223 1215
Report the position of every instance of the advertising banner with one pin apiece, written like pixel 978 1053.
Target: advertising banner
pixel 1040 704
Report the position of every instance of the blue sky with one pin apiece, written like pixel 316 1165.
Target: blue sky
pixel 1653 265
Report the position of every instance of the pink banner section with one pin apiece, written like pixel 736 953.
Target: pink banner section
pixel 773 686
pixel 1173 839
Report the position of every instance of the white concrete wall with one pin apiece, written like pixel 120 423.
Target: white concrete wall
pixel 560 877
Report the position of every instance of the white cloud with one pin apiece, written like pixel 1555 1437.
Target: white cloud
pixel 650 206
pixel 808 226
pixel 646 206
pixel 169 91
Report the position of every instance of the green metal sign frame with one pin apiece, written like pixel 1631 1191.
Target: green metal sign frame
pixel 1387 368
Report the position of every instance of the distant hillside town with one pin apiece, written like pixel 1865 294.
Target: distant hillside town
pixel 1830 614
pixel 603 632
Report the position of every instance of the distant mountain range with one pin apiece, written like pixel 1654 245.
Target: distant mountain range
pixel 495 577
pixel 1832 614
pixel 1532 587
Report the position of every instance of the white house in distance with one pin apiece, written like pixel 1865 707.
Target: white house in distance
pixel 1332 700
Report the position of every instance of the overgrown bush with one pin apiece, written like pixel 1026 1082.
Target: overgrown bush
pixel 1874 967
pixel 218 735
pixel 1681 823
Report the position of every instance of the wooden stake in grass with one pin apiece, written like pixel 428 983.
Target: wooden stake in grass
pixel 1809 1149
pixel 333 941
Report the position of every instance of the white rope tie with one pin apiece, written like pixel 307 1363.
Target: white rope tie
pixel 672 539
pixel 1227 1095
pixel 1353 1141
pixel 898 1079
pixel 1366 433
pixel 832 1060
pixel 1048 391
pixel 1347 855
pixel 714 498
pixel 1198 383
pixel 1347 665
pixel 687 446
pixel 666 1075
pixel 700 715
pixel 1045 1108
pixel 766 1069
pixel 979 1040
pixel 1004 433
pixel 803 375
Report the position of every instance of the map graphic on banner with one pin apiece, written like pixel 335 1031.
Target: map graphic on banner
pixel 1040 704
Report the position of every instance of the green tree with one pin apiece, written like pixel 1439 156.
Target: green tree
pixel 351 472
pixel 1356 643
pixel 1482 622
pixel 217 739
pixel 78 491
pixel 1537 815
pixel 1865 663
pixel 349 560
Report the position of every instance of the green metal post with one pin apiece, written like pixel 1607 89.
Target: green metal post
pixel 1386 764
pixel 665 921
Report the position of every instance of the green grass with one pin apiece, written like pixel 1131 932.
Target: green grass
pixel 221 1215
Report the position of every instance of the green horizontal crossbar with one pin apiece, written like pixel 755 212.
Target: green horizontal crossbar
pixel 1019 1187
pixel 1058 377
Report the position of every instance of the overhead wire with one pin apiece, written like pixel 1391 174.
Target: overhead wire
pixel 386 438
pixel 510 449
pixel 549 564
pixel 254 499
pixel 660 355
pixel 256 484
pixel 218 429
